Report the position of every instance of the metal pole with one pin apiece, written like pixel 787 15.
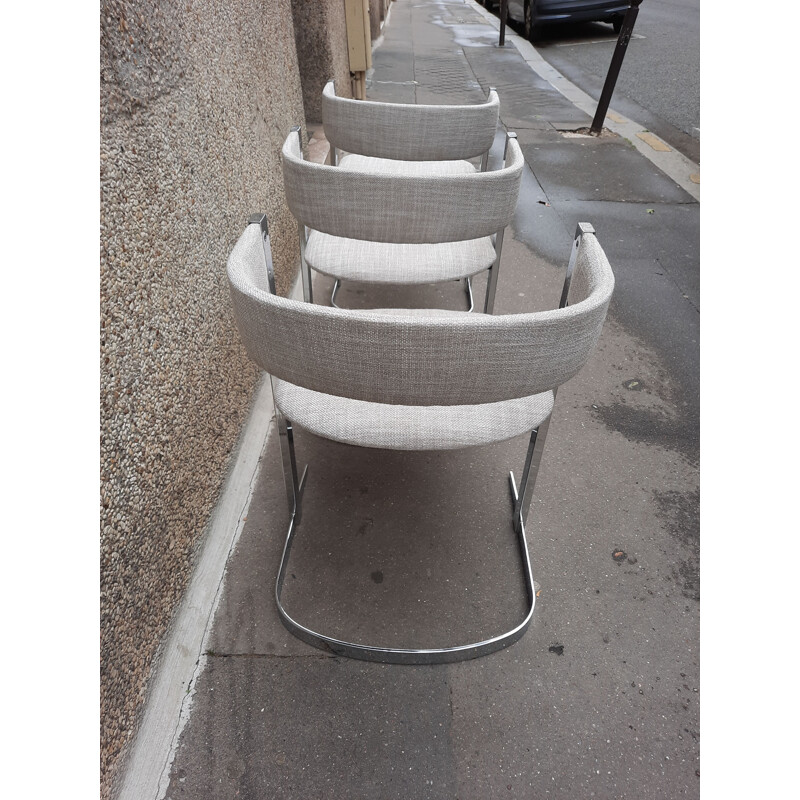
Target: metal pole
pixel 616 65
pixel 503 17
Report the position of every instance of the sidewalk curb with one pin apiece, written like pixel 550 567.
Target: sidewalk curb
pixel 146 771
pixel 180 664
pixel 672 163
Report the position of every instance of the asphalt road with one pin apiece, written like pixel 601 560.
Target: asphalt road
pixel 659 84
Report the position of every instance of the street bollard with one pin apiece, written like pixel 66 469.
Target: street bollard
pixel 503 17
pixel 616 65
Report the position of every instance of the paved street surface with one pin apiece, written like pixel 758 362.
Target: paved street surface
pixel 600 697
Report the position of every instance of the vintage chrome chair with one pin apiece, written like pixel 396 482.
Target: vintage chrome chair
pixel 441 137
pixel 400 226
pixel 415 380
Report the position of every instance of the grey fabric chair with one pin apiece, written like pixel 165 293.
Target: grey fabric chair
pixel 370 132
pixel 400 227
pixel 415 380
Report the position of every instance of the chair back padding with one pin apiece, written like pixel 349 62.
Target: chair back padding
pixel 409 132
pixel 408 360
pixel 379 207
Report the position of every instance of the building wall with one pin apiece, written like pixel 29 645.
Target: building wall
pixel 197 97
pixel 321 38
pixel 377 12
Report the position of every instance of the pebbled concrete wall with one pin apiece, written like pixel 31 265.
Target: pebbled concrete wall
pixel 320 34
pixel 377 14
pixel 196 97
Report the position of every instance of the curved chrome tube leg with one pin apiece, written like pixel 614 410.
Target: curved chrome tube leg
pixel 305 270
pixel 533 460
pixel 335 290
pixel 468 290
pixel 491 281
pixel 294 487
pixel 394 655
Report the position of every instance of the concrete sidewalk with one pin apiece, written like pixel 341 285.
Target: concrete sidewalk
pixel 600 697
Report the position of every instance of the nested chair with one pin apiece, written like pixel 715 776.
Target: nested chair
pixel 400 227
pixel 415 380
pixel 439 139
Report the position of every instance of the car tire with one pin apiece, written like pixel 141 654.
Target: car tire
pixel 532 29
pixel 617 23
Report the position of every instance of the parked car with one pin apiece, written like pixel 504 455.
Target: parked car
pixel 534 14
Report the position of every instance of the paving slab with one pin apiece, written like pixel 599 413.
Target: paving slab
pixel 668 233
pixel 655 260
pixel 316 727
pixel 600 169
pixel 526 100
pixel 396 66
pixel 396 549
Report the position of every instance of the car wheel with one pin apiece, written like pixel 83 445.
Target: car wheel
pixel 532 29
pixel 617 23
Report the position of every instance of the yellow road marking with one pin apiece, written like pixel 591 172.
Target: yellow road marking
pixel 654 142
pixel 695 177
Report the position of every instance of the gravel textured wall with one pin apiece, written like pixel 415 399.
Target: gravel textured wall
pixel 321 37
pixel 377 13
pixel 196 99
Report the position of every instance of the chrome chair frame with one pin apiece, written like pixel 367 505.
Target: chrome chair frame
pixel 337 284
pixel 493 270
pixel 332 160
pixel 521 496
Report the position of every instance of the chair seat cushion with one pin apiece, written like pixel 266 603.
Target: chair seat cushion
pixel 396 427
pixel 390 166
pixel 385 262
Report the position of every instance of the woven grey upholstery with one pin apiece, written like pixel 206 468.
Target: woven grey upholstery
pixel 414 360
pixel 409 132
pixel 379 262
pixel 400 207
pixel 422 168
pixel 396 427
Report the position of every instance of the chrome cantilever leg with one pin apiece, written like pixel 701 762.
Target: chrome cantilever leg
pixel 337 284
pixel 485 156
pixel 390 655
pixel 583 229
pixel 533 460
pixel 305 270
pixel 294 487
pixel 468 290
pixel 491 283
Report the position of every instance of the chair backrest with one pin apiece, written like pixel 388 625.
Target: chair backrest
pixel 409 132
pixel 409 360
pixel 400 208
